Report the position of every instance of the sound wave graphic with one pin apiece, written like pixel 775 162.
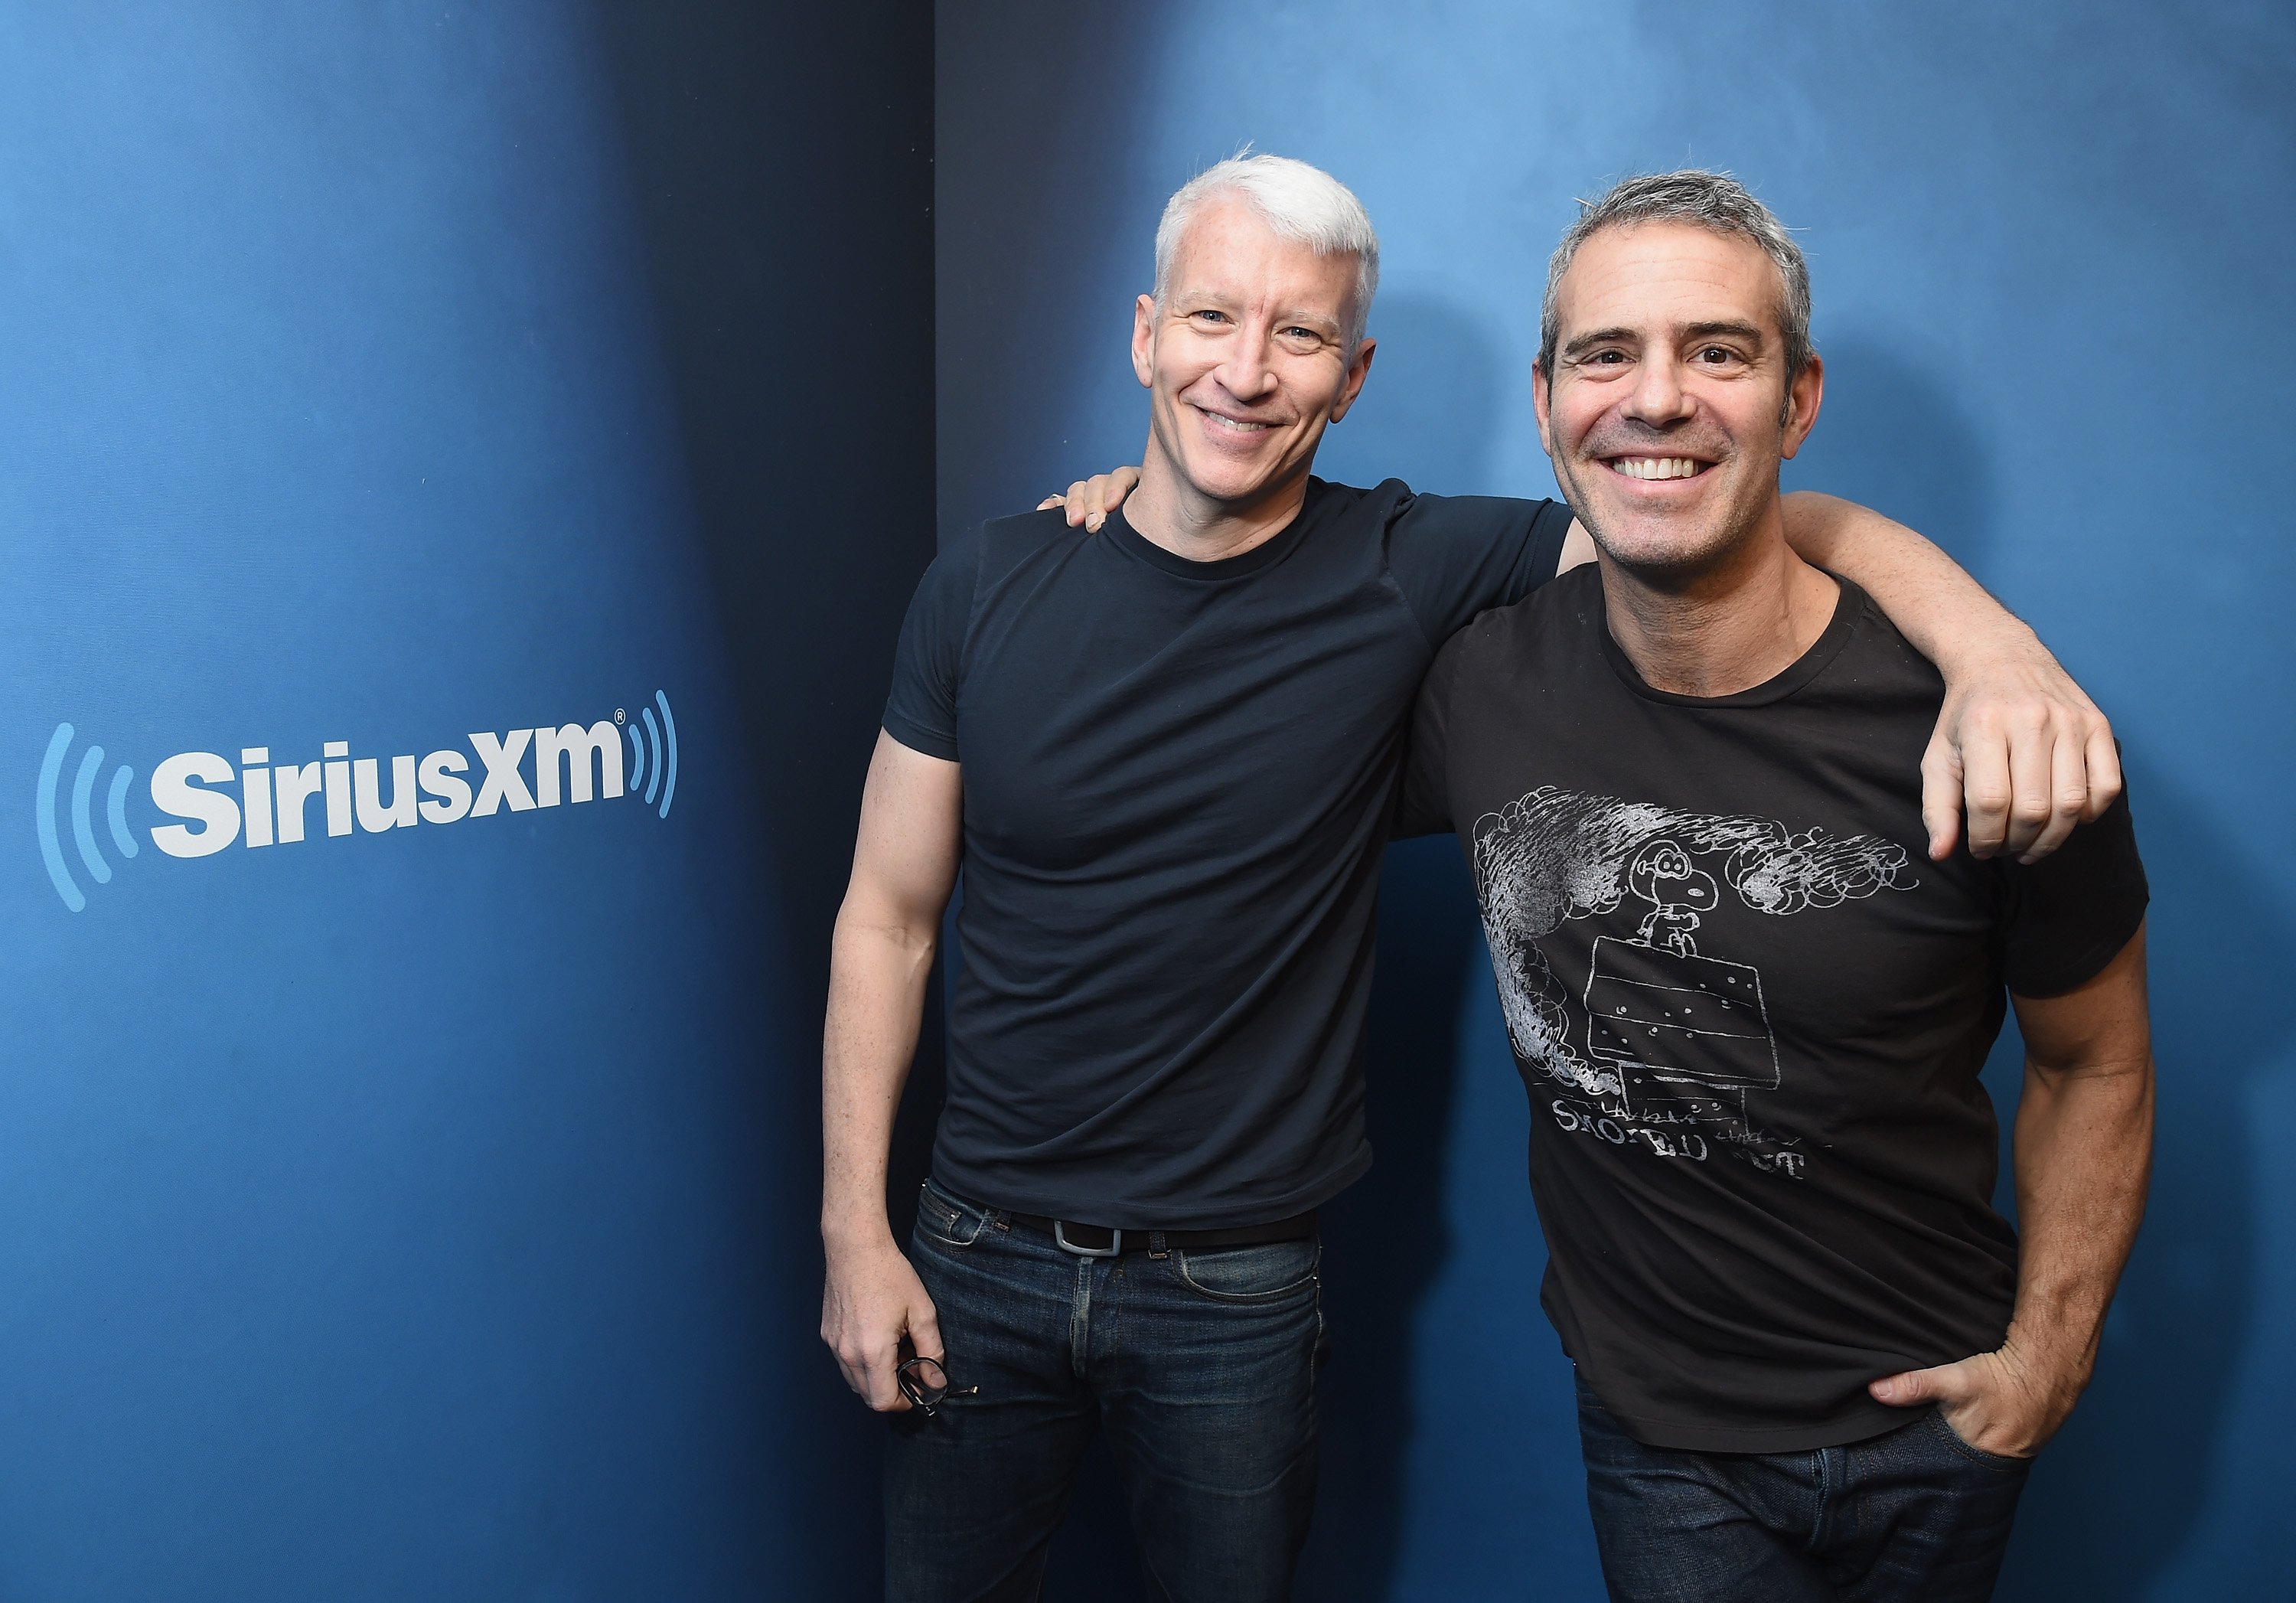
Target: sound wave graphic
pixel 82 822
pixel 653 756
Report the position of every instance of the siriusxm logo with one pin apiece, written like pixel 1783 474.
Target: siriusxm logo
pixel 271 806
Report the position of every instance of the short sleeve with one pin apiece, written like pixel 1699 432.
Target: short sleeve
pixel 1425 808
pixel 920 712
pixel 1458 556
pixel 2069 915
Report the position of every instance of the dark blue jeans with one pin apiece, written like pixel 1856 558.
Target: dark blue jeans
pixel 1201 1365
pixel 1916 1515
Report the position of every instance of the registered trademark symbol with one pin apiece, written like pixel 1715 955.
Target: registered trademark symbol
pixel 621 717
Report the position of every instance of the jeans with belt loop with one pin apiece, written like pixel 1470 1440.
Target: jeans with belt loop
pixel 1201 1365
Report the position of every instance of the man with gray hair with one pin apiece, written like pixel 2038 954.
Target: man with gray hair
pixel 1165 750
pixel 1750 1020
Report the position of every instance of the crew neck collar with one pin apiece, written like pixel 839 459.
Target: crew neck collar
pixel 1777 688
pixel 1270 551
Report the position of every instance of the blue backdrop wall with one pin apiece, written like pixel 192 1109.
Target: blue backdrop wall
pixel 426 1211
pixel 408 1210
pixel 2050 248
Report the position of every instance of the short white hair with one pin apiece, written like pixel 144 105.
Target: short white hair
pixel 1298 202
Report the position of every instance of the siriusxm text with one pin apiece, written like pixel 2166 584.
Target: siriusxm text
pixel 260 802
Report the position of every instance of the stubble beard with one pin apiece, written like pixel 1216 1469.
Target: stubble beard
pixel 1682 565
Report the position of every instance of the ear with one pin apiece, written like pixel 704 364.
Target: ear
pixel 1803 398
pixel 1351 386
pixel 1541 404
pixel 1143 339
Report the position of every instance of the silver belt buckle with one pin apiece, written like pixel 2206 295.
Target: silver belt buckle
pixel 1060 1239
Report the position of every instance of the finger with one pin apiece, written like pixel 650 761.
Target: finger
pixel 1985 792
pixel 1915 1387
pixel 854 1369
pixel 2032 744
pixel 924 1330
pixel 1049 502
pixel 1942 796
pixel 883 1390
pixel 2068 795
pixel 1078 503
pixel 2104 776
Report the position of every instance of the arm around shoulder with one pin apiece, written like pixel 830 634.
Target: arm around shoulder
pixel 2017 743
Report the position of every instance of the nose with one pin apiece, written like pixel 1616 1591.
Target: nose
pixel 1659 398
pixel 1248 374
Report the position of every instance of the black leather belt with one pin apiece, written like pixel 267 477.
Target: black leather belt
pixel 1099 1241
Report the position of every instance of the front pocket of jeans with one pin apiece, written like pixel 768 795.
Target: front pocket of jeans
pixel 1970 1450
pixel 1264 1273
pixel 944 1221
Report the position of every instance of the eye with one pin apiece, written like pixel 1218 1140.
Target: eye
pixel 1718 355
pixel 1208 316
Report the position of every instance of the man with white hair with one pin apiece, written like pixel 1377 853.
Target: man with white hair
pixel 1165 751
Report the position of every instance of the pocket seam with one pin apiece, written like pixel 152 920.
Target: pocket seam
pixel 1314 1263
pixel 931 1201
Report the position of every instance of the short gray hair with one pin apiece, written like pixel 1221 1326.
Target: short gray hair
pixel 1299 202
pixel 1715 201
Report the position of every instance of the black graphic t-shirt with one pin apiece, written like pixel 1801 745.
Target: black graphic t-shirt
pixel 1748 1009
pixel 1178 778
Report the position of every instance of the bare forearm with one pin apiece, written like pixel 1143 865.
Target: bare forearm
pixel 2083 1156
pixel 877 982
pixel 1947 614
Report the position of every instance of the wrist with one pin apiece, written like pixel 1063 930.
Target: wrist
pixel 2003 638
pixel 2050 1359
pixel 855 1228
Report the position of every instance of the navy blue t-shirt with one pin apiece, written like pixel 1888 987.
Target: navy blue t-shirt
pixel 1179 777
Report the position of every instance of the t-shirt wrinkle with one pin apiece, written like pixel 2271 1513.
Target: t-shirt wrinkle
pixel 1177 782
pixel 1749 1012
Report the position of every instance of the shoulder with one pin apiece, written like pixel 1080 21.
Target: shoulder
pixel 1003 543
pixel 1874 659
pixel 1469 518
pixel 1553 618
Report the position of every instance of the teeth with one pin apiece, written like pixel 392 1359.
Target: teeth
pixel 1238 425
pixel 1656 467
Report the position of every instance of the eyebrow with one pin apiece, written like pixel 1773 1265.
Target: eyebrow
pixel 1696 330
pixel 1601 336
pixel 1707 330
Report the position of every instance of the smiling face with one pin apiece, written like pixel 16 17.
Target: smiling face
pixel 1670 408
pixel 1246 360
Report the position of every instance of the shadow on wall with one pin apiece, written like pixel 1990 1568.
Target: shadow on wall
pixel 1891 436
pixel 1030 246
pixel 769 152
pixel 1428 415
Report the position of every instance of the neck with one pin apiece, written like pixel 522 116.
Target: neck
pixel 1729 627
pixel 1167 510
